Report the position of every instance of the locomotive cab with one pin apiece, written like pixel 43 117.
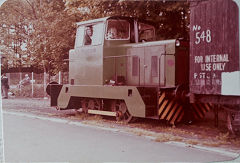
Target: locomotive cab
pixel 99 56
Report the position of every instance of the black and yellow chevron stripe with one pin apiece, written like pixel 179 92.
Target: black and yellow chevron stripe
pixel 173 111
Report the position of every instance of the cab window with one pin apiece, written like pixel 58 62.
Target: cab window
pixel 146 32
pixel 89 35
pixel 79 37
pixel 117 30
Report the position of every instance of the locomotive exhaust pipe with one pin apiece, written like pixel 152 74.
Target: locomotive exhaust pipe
pixel 53 90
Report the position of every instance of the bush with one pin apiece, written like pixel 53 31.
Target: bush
pixel 26 91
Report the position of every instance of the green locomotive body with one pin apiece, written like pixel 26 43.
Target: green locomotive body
pixel 117 68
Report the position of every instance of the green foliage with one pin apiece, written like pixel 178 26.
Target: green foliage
pixel 13 32
pixel 171 17
pixel 26 91
pixel 40 33
pixel 53 36
pixel 42 26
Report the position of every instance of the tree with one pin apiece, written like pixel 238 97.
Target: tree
pixel 53 36
pixel 171 17
pixel 40 32
pixel 43 27
pixel 12 35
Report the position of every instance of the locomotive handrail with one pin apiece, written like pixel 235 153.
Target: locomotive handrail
pixel 119 56
pixel 164 73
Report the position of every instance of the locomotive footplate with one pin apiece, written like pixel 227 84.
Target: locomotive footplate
pixel 105 98
pixel 126 102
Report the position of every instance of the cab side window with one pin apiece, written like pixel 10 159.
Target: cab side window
pixel 117 30
pixel 98 32
pixel 79 37
pixel 146 32
pixel 89 35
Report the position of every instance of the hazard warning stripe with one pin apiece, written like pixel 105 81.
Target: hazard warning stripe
pixel 180 117
pixel 200 109
pixel 161 98
pixel 167 110
pixel 208 106
pixel 203 109
pixel 162 107
pixel 195 115
pixel 173 111
pixel 195 106
pixel 176 115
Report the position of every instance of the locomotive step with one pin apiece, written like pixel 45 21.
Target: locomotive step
pixel 100 112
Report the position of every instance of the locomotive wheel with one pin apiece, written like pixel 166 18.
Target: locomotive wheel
pixel 233 122
pixel 229 122
pixel 113 105
pixel 84 106
pixel 233 119
pixel 94 104
pixel 123 114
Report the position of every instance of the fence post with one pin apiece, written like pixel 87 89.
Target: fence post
pixel 32 84
pixel 59 77
pixel 9 78
pixel 44 85
pixel 2 157
pixel 19 82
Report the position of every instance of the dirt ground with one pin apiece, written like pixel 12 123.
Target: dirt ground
pixel 202 133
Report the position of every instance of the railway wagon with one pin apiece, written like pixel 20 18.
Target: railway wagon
pixel 117 68
pixel 215 56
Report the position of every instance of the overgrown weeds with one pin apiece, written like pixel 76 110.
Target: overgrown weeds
pixel 37 91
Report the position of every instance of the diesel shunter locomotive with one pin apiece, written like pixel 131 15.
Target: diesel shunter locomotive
pixel 117 68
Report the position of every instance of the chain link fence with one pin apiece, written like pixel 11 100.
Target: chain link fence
pixel 36 87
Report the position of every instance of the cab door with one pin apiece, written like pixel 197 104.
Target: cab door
pixel 85 66
pixel 153 67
